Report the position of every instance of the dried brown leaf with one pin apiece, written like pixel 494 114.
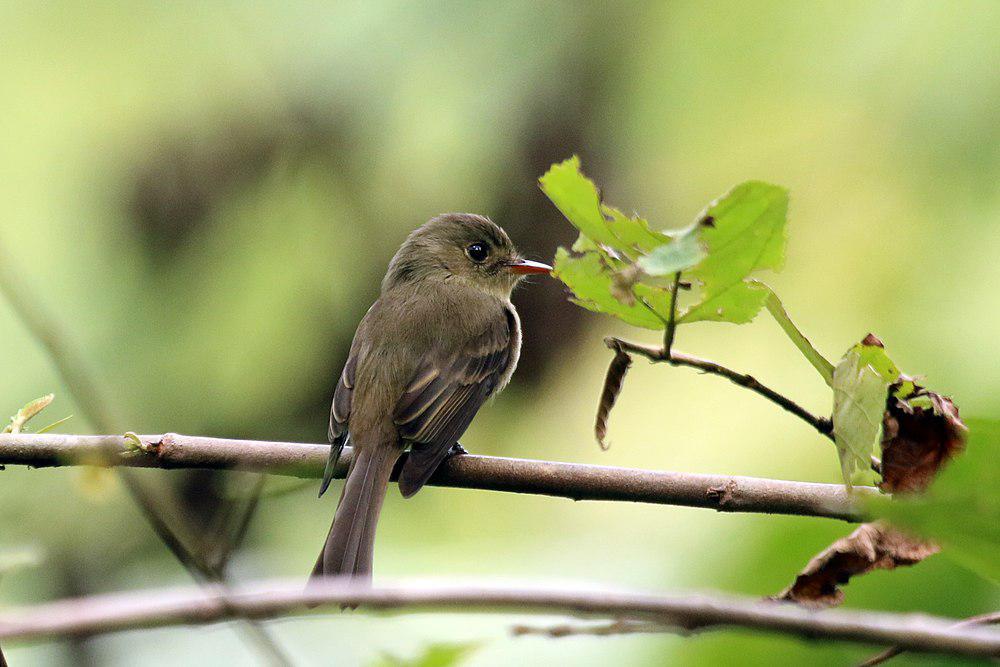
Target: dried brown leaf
pixel 873 546
pixel 920 434
pixel 623 281
pixel 612 386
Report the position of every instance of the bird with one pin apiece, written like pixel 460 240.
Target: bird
pixel 441 339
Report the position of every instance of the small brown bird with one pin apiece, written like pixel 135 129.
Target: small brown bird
pixel 441 339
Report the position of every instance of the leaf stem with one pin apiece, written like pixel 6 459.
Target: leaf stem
pixel 658 355
pixel 668 335
pixel 812 355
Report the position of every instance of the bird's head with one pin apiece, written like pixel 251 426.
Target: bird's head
pixel 461 247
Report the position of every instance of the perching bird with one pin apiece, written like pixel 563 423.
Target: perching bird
pixel 441 339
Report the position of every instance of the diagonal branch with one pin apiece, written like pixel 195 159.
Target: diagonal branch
pixel 567 480
pixel 147 609
pixel 47 330
pixel 657 354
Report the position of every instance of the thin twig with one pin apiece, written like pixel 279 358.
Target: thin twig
pixel 147 609
pixel 230 543
pixel 992 618
pixel 655 354
pixel 671 329
pixel 49 332
pixel 567 480
pixel 199 568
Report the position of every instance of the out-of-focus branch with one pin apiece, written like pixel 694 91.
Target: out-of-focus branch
pixel 47 330
pixel 568 480
pixel 147 609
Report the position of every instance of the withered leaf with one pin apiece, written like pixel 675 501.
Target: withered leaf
pixel 612 387
pixel 873 546
pixel 622 283
pixel 921 432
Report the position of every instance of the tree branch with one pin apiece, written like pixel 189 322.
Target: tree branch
pixel 147 609
pixel 658 355
pixel 991 618
pixel 567 480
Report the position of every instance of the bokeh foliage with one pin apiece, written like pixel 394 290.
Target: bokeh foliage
pixel 208 195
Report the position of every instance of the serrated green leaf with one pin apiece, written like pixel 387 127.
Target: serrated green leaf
pixel 745 233
pixel 860 389
pixel 591 283
pixel 579 200
pixel 632 232
pixel 875 356
pixel 905 389
pixel 584 244
pixel 737 304
pixel 961 509
pixel 684 251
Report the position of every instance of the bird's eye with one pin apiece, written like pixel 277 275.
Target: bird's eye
pixel 477 252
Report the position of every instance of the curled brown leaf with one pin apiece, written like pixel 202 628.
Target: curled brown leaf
pixel 609 394
pixel 920 434
pixel 873 546
pixel 623 281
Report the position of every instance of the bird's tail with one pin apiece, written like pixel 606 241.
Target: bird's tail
pixel 349 544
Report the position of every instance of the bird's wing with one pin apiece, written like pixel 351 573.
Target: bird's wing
pixel 339 412
pixel 445 394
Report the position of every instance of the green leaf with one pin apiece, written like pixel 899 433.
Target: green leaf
pixel 587 276
pixel 578 199
pixel 818 361
pixel 684 251
pixel 435 655
pixel 873 354
pixel 860 388
pixel 25 414
pixel 740 233
pixel 632 234
pixel 737 304
pixel 743 232
pixel 961 509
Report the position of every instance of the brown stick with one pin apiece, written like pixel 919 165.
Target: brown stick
pixel 657 354
pixel 566 480
pixel 147 609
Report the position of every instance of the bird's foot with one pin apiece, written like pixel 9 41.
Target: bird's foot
pixel 456 449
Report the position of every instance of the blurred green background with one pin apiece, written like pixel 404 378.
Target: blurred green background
pixel 206 195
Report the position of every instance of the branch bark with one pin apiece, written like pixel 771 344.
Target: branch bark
pixel 147 609
pixel 992 618
pixel 566 480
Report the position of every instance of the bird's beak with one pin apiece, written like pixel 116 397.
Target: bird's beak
pixel 526 266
